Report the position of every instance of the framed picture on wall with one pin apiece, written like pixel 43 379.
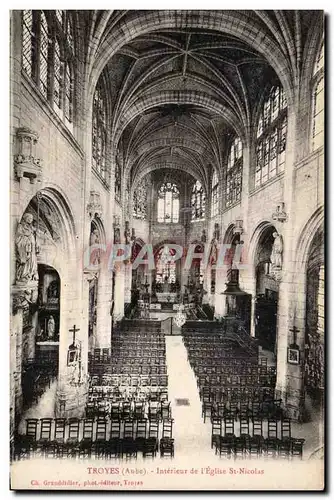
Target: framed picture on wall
pixel 293 355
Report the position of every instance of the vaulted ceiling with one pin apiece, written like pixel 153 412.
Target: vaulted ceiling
pixel 179 91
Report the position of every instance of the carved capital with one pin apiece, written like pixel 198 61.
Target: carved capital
pixel 90 275
pixel 280 214
pixel 276 274
pixel 238 227
pixel 26 163
pixel 24 296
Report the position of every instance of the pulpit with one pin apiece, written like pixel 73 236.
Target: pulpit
pixel 237 303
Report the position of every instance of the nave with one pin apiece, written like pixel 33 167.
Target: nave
pixel 201 394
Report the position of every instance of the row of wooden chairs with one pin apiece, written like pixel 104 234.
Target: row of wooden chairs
pixel 244 409
pixel 215 393
pixel 254 427
pixel 251 447
pixel 75 430
pixel 113 448
pixel 124 410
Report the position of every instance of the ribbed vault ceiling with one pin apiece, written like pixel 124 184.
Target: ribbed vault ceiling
pixel 177 94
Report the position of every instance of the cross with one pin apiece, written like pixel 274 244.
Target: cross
pixel 294 330
pixel 74 330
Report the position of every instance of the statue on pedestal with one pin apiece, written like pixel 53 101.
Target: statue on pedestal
pixel 277 251
pixel 127 234
pixel 51 327
pixel 26 250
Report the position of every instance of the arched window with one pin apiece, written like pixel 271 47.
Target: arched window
pixel 165 266
pixel 168 203
pixel 271 137
pixel 48 55
pixel 99 131
pixel 234 173
pixel 215 195
pixel 318 102
pixel 118 182
pixel 140 200
pixel 197 202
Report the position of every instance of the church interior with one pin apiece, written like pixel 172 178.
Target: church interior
pixel 186 137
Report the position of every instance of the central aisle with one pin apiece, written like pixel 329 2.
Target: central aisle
pixel 192 435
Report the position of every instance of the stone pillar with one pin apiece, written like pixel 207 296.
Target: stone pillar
pixel 103 317
pixel 72 386
pixel 220 302
pixel 119 292
pixel 290 381
pixel 128 282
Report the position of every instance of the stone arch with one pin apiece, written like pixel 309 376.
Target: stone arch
pixel 98 224
pixel 229 233
pixel 306 236
pixel 255 239
pixel 55 227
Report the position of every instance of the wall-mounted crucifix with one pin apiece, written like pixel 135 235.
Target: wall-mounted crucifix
pixel 73 350
pixel 293 349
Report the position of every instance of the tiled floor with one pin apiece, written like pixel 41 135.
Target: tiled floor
pixel 189 430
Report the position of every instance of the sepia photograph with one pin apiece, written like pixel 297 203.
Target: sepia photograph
pixel 167 263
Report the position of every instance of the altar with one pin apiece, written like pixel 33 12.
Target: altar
pixel 170 297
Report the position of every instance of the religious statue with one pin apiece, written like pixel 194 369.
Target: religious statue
pixel 53 290
pixel 26 250
pixel 216 232
pixel 51 327
pixel 94 239
pixel 166 285
pixel 203 237
pixel 117 234
pixel 127 233
pixel 277 251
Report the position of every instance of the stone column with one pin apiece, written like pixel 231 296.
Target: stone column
pixel 103 317
pixel 119 292
pixel 290 382
pixel 72 387
pixel 128 282
pixel 220 300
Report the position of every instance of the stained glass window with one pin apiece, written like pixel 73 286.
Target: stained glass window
pixel 28 40
pixel 57 76
pixel 70 33
pixel 234 173
pixel 215 195
pixel 48 55
pixel 165 268
pixel 44 55
pixel 68 105
pixel 140 200
pixel 168 203
pixel 197 202
pixel 271 137
pixel 99 131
